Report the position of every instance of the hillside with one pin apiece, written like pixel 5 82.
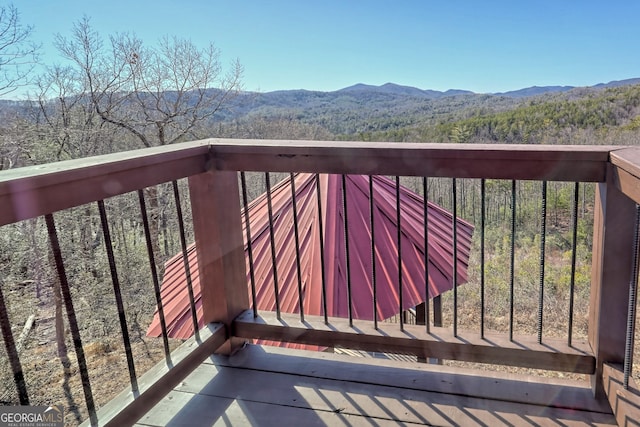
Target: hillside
pixel 355 111
pixel 403 113
pixel 614 109
pixel 395 111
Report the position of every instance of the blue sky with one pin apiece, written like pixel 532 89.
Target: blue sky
pixel 483 46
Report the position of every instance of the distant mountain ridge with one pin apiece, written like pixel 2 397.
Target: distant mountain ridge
pixel 397 89
pixel 618 83
pixel 362 108
pixel 535 91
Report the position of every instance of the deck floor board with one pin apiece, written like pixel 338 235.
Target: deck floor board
pixel 272 386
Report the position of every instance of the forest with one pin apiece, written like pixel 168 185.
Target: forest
pixel 118 93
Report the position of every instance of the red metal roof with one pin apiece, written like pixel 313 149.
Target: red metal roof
pixel 174 290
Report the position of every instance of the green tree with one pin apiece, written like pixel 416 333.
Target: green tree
pixel 460 134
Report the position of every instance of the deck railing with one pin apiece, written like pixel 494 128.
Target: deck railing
pixel 212 169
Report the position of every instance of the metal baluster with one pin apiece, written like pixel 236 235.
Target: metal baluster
pixel 373 253
pixel 346 244
pixel 297 242
pixel 12 353
pixel 512 259
pixel 425 208
pixel 273 245
pixel 321 241
pixel 543 233
pixel 118 295
pixel 455 257
pixel 399 227
pixel 71 316
pixel 154 275
pixel 185 259
pixel 574 246
pixel 482 253
pixel 631 313
pixel 245 205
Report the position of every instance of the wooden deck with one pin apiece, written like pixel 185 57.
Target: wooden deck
pixel 262 385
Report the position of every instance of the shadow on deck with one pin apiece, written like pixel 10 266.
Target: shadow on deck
pixel 262 385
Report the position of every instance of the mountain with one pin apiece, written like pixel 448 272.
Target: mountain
pixel 535 91
pixel 618 83
pixel 355 109
pixel 364 108
pixel 395 89
pixel 541 90
pixel 368 91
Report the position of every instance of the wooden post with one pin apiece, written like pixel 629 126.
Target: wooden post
pixel 421 313
pixel 421 319
pixel 437 321
pixel 437 311
pixel 215 204
pixel 613 230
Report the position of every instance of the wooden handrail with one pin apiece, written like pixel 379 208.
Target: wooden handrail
pixel 626 171
pixel 496 161
pixel 38 190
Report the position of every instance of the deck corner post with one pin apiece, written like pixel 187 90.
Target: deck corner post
pixel 217 226
pixel 613 231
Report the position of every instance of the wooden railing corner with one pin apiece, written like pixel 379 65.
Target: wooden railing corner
pixel 613 231
pixel 217 227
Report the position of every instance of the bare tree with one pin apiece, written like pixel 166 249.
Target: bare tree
pixel 68 123
pixel 18 55
pixel 158 94
pixel 13 143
